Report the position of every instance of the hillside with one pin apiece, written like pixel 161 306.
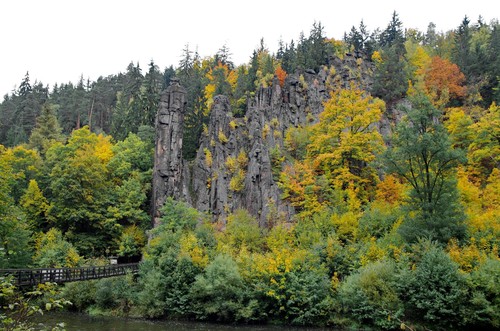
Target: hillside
pixel 352 183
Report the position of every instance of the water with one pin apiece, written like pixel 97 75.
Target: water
pixel 79 322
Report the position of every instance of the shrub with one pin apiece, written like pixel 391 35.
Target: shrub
pixel 237 182
pixel 483 308
pixel 220 294
pixel 298 296
pixel 177 216
pixel 53 251
pixel 370 295
pixel 81 294
pixel 434 291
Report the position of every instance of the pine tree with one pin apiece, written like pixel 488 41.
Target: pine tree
pixel 47 130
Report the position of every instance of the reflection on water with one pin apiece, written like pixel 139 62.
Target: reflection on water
pixel 78 322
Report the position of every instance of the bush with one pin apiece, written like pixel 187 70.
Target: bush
pixel 434 292
pixel 294 293
pixel 164 286
pixel 81 294
pixel 104 296
pixel 220 294
pixel 483 309
pixel 177 216
pixel 242 230
pixel 53 251
pixel 369 296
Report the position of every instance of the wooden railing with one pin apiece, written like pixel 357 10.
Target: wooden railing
pixel 28 277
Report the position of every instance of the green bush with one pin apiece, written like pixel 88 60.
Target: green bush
pixel 483 308
pixel 300 296
pixel 220 294
pixel 104 294
pixel 151 298
pixel 177 216
pixel 164 286
pixel 377 221
pixel 81 294
pixel 370 297
pixel 243 230
pixel 434 292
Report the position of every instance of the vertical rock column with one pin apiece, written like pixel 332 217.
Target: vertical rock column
pixel 167 171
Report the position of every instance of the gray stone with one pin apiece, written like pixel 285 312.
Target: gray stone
pixel 205 182
pixel 168 164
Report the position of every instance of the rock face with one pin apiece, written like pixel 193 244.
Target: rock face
pixel 239 159
pixel 168 168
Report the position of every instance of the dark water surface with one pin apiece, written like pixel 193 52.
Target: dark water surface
pixel 79 322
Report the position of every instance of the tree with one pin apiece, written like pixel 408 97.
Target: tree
pixel 484 150
pixel 393 35
pixel 339 151
pixel 35 206
pixel 434 291
pixel 444 82
pixel 25 165
pixel 15 251
pixel 421 153
pixel 345 141
pixel 47 129
pixel 150 95
pixel 390 82
pixel 219 293
pixel 79 190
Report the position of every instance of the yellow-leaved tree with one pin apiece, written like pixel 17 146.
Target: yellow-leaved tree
pixel 337 164
pixel 345 140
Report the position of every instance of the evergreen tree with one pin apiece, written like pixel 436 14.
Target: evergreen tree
pixel 150 95
pixel 289 60
pixel 461 54
pixel 389 78
pixel 47 130
pixel 168 74
pixel 393 35
pixel 223 56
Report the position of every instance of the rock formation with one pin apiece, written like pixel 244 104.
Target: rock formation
pixel 168 163
pixel 238 161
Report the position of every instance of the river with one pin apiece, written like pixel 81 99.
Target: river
pixel 80 322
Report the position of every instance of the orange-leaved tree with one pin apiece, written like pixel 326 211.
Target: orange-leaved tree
pixel 444 81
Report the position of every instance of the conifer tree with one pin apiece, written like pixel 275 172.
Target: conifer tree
pixel 47 129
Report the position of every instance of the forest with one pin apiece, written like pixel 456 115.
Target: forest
pixel 393 230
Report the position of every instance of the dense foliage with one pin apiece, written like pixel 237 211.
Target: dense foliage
pixel 395 228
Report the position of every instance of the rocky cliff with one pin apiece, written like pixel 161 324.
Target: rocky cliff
pixel 236 159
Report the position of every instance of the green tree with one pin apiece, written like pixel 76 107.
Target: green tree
pixel 47 130
pixel 79 190
pixel 150 94
pixel 421 153
pixel 390 82
pixel 242 231
pixel 393 35
pixel 25 165
pixel 123 107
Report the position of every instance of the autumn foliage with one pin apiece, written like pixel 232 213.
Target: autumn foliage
pixel 281 74
pixel 443 81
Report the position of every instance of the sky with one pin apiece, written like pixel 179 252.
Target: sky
pixel 58 41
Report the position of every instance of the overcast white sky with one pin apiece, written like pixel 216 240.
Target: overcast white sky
pixel 60 40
